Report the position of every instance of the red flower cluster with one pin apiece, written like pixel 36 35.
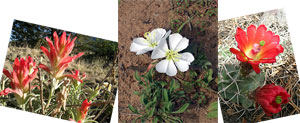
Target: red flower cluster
pixel 76 75
pixel 257 46
pixel 59 55
pixel 82 111
pixel 24 71
pixel 270 97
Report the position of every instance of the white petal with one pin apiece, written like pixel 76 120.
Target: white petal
pixel 140 41
pixel 174 39
pixel 160 50
pixel 184 42
pixel 136 47
pixel 187 57
pixel 139 49
pixel 182 65
pixel 166 35
pixel 158 34
pixel 144 50
pixel 171 70
pixel 162 66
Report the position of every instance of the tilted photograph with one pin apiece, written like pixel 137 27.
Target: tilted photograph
pixel 59 73
pixel 258 77
pixel 168 61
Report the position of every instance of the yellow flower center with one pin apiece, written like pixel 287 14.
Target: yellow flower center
pixel 254 52
pixel 172 55
pixel 150 36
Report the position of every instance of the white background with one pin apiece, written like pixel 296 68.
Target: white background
pixel 234 8
pixel 100 19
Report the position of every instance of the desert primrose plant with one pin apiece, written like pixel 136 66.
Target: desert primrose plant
pixel 49 90
pixel 158 99
pixel 161 100
pixel 245 84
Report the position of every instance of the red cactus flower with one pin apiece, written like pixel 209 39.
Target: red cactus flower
pixel 58 55
pixel 82 111
pixel 257 46
pixel 270 97
pixel 24 71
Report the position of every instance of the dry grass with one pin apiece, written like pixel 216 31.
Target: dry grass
pixel 96 69
pixel 283 72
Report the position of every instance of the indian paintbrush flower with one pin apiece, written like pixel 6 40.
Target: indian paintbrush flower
pixel 173 59
pixel 58 55
pixel 82 111
pixel 142 45
pixel 270 97
pixel 257 46
pixel 77 75
pixel 24 71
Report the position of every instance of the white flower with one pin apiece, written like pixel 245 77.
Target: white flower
pixel 173 59
pixel 142 45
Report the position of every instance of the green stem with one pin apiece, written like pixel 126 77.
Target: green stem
pixel 50 97
pixel 3 85
pixel 23 106
pixel 182 25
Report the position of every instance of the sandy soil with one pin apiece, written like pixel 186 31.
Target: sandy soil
pixel 137 17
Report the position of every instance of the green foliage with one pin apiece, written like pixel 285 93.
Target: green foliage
pixel 96 48
pixel 176 23
pixel 211 12
pixel 183 24
pixel 159 99
pixel 192 87
pixel 33 36
pixel 28 34
pixel 186 13
pixel 201 60
pixel 234 87
pixel 213 110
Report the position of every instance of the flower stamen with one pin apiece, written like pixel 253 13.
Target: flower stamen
pixel 172 55
pixel 256 48
pixel 150 36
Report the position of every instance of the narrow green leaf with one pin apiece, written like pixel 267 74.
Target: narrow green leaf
pixel 163 83
pixel 150 104
pixel 136 93
pixel 210 73
pixel 168 106
pixel 174 85
pixel 142 99
pixel 151 112
pixel 132 109
pixel 182 25
pixel 213 106
pixel 176 119
pixel 181 109
pixel 165 95
pixel 137 76
pixel 155 120
pixel 149 73
pixel 213 110
pixel 212 114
